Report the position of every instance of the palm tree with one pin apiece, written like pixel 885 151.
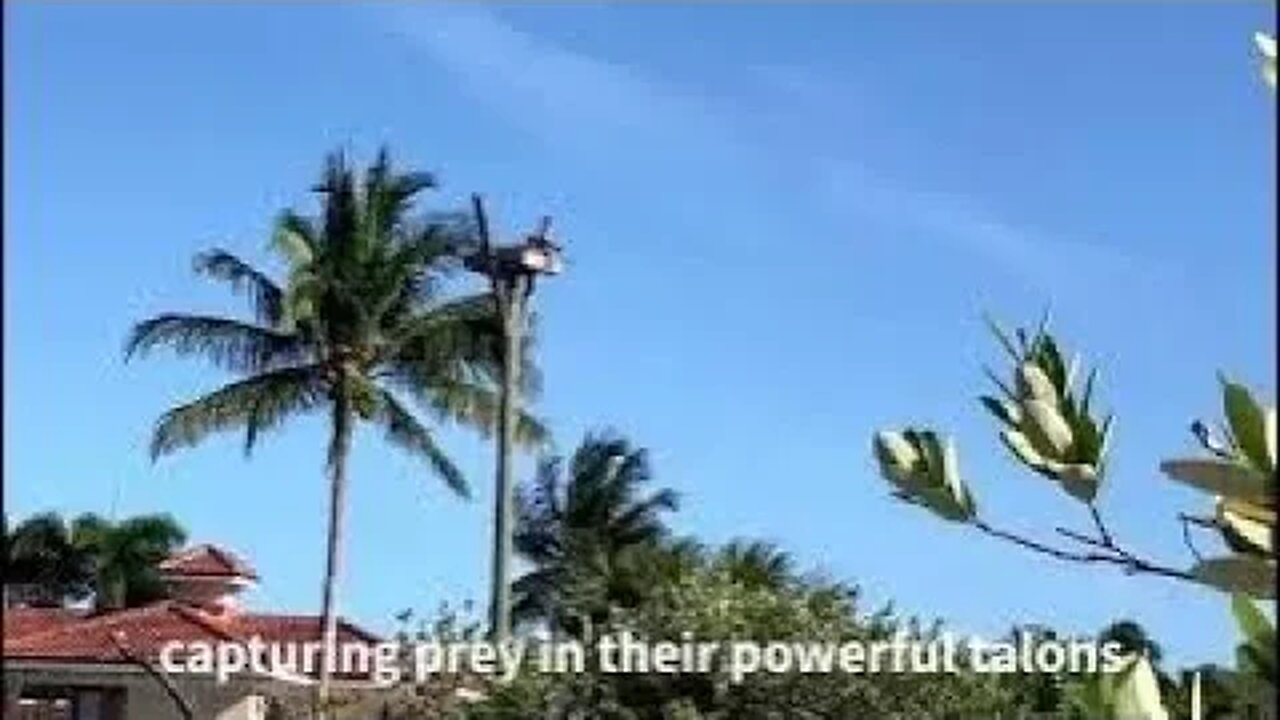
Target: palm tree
pixel 123 556
pixel 581 529
pixel 756 563
pixel 360 321
pixel 43 564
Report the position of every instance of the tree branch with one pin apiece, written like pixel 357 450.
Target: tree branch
pixel 1102 527
pixel 1106 554
pixel 1187 521
pixel 157 673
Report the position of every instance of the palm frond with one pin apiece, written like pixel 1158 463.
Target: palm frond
pixel 470 405
pixel 231 344
pixel 466 326
pixel 254 404
pixel 388 194
pixel 265 297
pixel 153 531
pixel 295 239
pixel 643 520
pixel 403 430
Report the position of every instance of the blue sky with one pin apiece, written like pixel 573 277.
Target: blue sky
pixel 784 223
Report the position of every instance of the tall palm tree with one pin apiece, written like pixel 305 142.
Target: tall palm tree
pixel 123 556
pixel 578 527
pixel 360 321
pixel 42 564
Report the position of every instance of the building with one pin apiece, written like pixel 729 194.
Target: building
pixel 73 664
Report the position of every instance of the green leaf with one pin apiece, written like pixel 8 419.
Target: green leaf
pixel 1248 424
pixel 1022 449
pixel 1088 441
pixel 1005 412
pixel 1253 576
pixel 1251 621
pixel 1257 654
pixel 1042 329
pixel 1003 338
pixel 1052 364
pixel 1107 426
pixel 1220 477
pixel 1004 389
pixel 1087 396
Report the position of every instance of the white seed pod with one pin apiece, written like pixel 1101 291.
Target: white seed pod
pixel 1046 428
pixel 898 459
pixel 1269 415
pixel 951 471
pixel 1247 522
pixel 1034 383
pixel 1022 448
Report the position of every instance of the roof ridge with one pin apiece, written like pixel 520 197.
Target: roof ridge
pixel 343 622
pixel 194 615
pixel 186 553
pixel 227 562
pixel 92 621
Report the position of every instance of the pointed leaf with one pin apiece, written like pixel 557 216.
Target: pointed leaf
pixel 1253 576
pixel 1004 389
pixel 1253 623
pixel 1248 424
pixel 1003 338
pixel 1086 397
pixel 1258 651
pixel 1052 364
pixel 1022 449
pixel 1005 412
pixel 1220 478
pixel 1244 529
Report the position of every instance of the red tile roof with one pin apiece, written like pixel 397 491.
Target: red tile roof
pixel 65 636
pixel 22 621
pixel 206 561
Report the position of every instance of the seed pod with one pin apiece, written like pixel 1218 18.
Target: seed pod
pixel 898 459
pixel 1046 428
pixel 1269 416
pixel 1243 528
pixel 1021 448
pixel 1034 383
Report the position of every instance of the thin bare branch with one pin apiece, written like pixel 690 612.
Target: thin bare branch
pixel 1105 555
pixel 157 673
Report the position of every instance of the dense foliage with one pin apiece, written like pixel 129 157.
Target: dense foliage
pixel 50 562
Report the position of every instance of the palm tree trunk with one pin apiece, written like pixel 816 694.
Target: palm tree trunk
pixel 339 448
